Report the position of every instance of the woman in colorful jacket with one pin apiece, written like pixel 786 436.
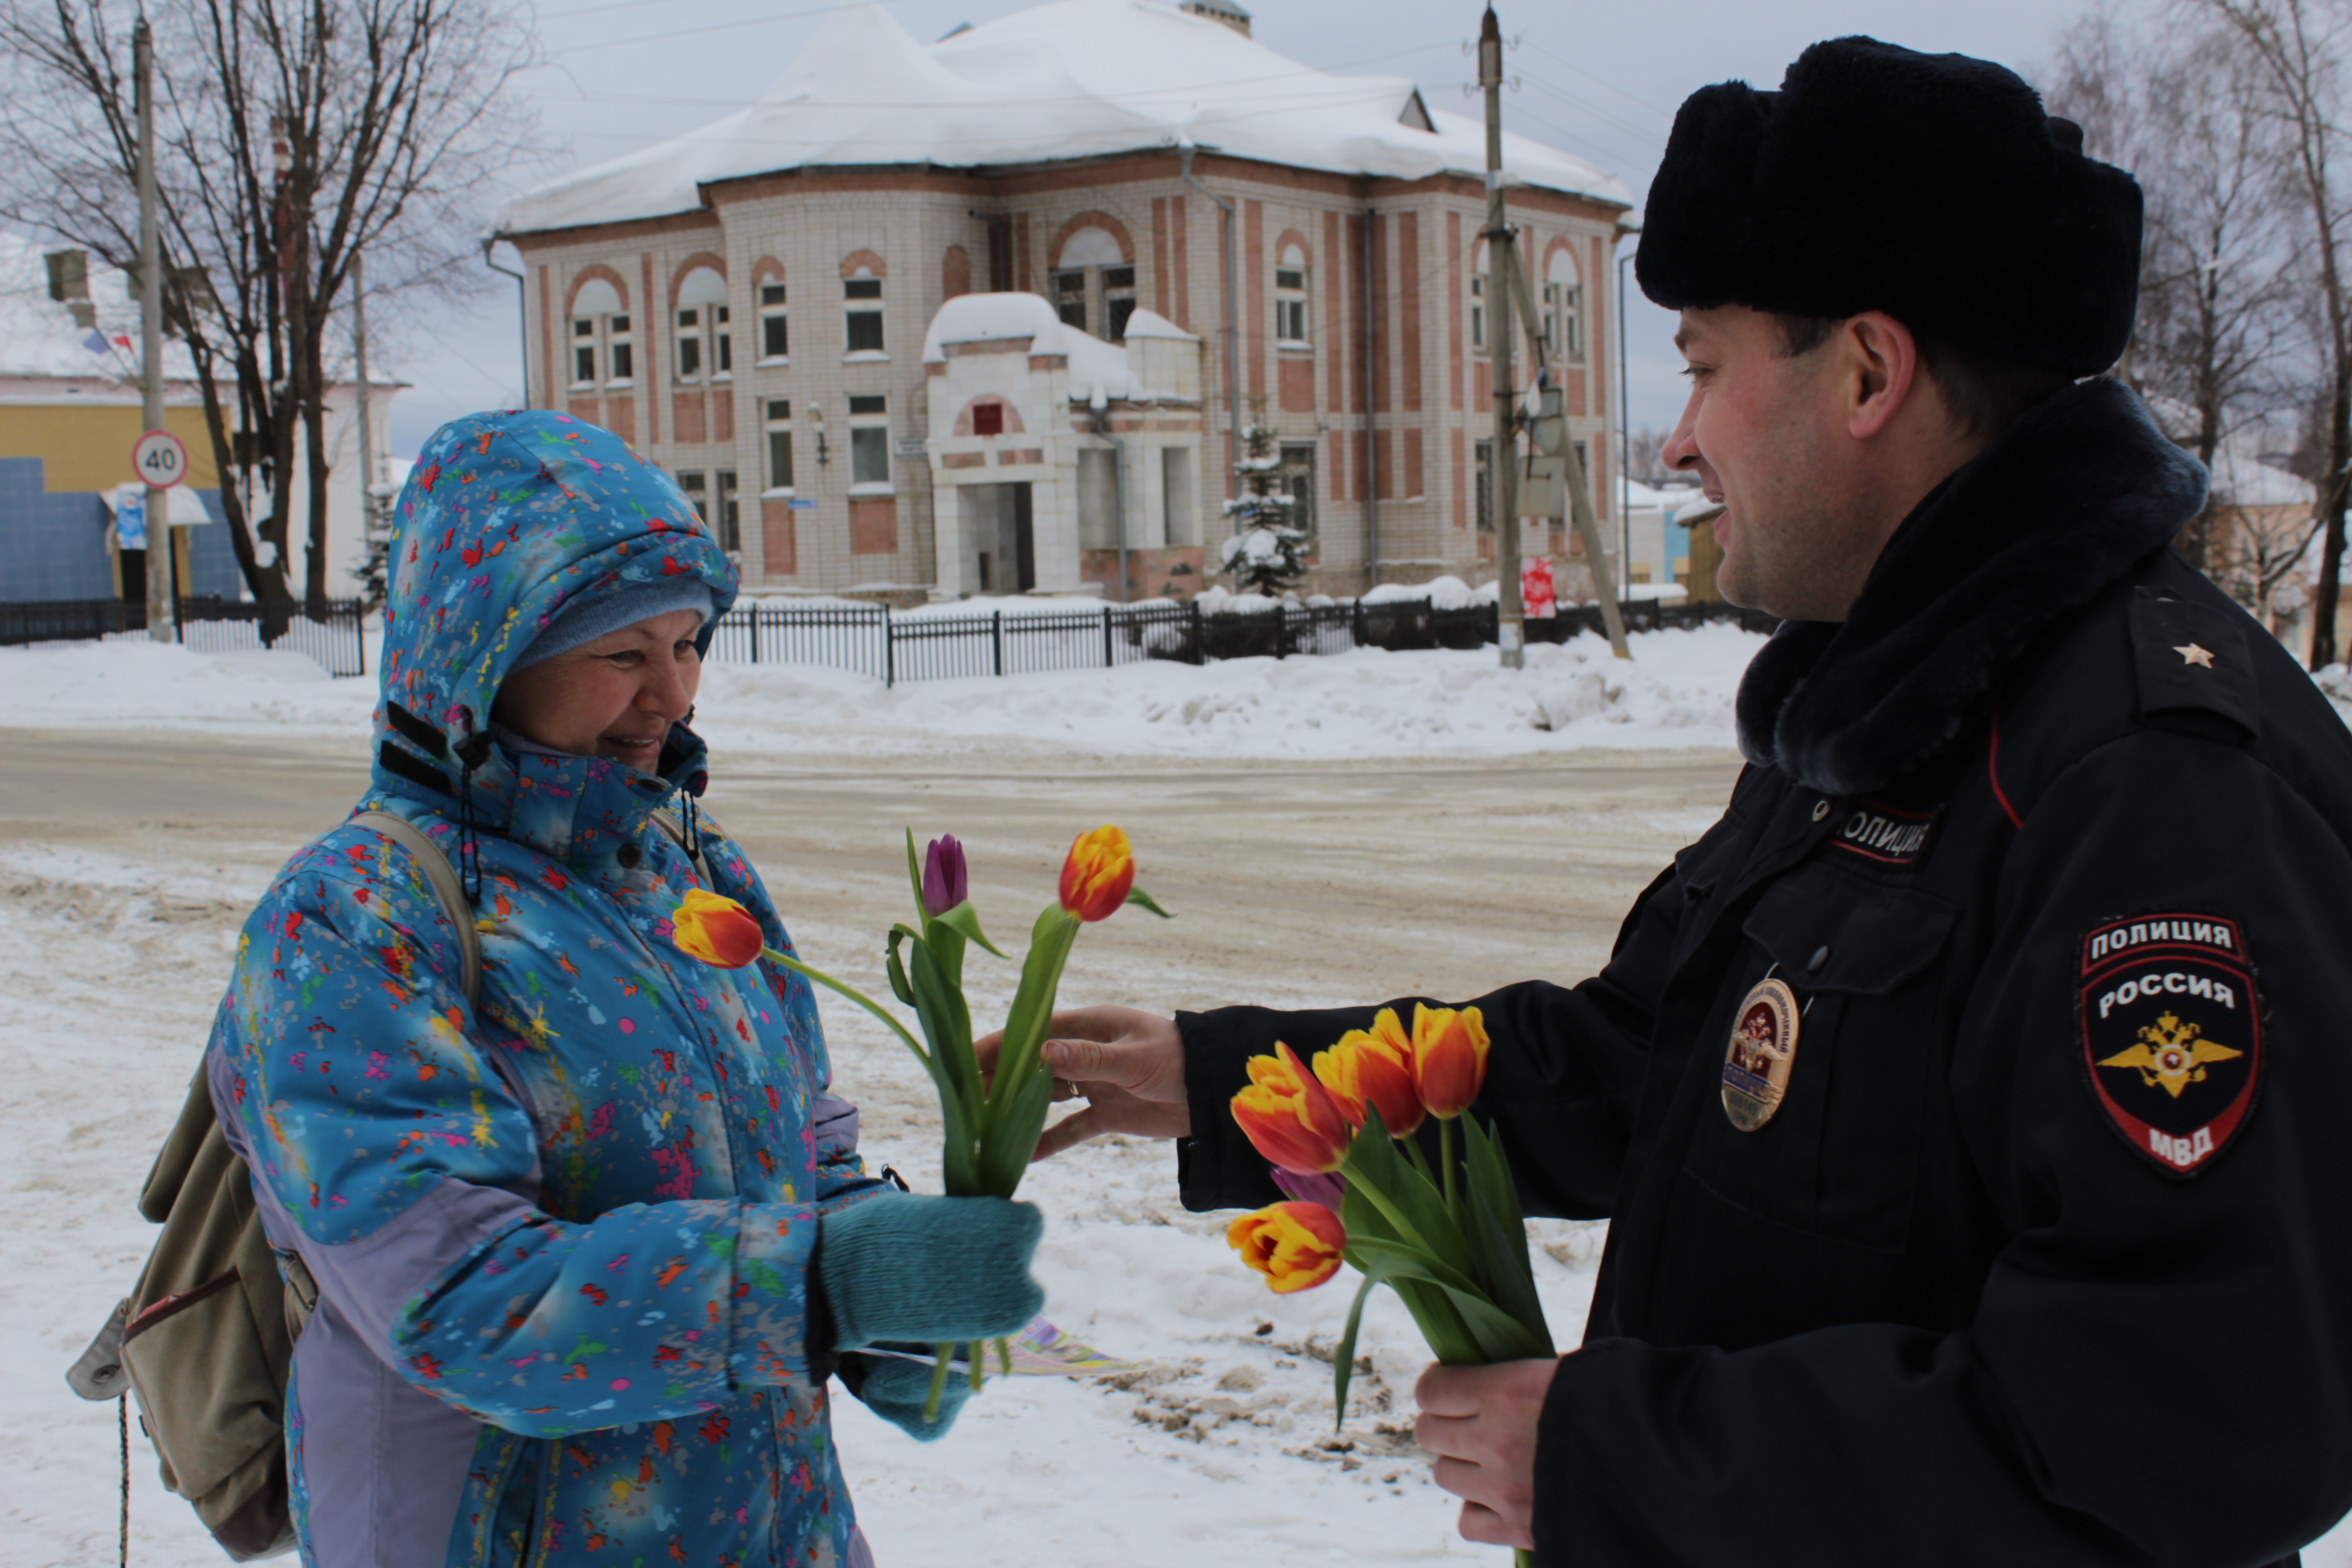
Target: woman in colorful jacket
pixel 587 1246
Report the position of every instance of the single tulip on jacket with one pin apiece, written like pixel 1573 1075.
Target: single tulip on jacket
pixel 716 929
pixel 1375 1066
pixel 1289 1117
pixel 1098 874
pixel 946 880
pixel 1297 1246
pixel 1449 1058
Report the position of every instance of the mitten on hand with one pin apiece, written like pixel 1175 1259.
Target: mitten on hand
pixel 897 1391
pixel 930 1270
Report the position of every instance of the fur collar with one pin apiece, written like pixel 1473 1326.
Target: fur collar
pixel 2081 487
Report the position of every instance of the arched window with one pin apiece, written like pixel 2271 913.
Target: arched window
pixel 1094 282
pixel 1290 313
pixel 1563 306
pixel 1478 299
pixel 705 345
pixel 861 294
pixel 601 338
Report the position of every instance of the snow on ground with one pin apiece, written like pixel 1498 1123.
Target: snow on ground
pixel 1216 1446
pixel 1676 692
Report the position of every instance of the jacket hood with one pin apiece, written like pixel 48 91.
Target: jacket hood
pixel 2058 507
pixel 507 519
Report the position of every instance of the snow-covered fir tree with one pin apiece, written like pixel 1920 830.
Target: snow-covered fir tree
pixel 1264 553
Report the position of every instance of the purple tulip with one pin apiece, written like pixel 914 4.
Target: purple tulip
pixel 946 883
pixel 1327 1190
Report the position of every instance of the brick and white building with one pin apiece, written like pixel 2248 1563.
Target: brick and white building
pixel 1202 227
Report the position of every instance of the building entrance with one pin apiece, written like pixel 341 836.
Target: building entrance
pixel 1000 532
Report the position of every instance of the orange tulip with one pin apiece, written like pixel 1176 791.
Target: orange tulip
pixel 1449 1058
pixel 1296 1245
pixel 1373 1064
pixel 1289 1117
pixel 1098 874
pixel 716 929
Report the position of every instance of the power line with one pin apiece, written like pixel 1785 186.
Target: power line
pixel 1665 114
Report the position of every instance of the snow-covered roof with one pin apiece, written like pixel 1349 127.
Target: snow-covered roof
pixel 1071 78
pixel 39 337
pixel 2240 477
pixel 1095 366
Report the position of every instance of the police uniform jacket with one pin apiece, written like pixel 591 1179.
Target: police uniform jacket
pixel 2045 1254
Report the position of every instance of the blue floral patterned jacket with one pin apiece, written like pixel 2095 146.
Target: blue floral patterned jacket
pixel 562 1235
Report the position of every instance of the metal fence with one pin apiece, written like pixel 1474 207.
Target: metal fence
pixel 870 640
pixel 894 649
pixel 329 633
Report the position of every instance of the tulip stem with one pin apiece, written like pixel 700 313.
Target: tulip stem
pixel 1004 1355
pixel 853 993
pixel 1445 1164
pixel 979 1354
pixel 938 1381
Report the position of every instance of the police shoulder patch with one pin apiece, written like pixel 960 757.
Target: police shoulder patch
pixel 2171 1033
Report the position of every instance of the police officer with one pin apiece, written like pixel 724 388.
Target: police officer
pixel 1970 1104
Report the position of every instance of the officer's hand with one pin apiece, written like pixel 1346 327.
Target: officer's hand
pixel 1480 1421
pixel 1128 1065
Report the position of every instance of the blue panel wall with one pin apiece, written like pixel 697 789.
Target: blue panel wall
pixel 51 546
pixel 212 563
pixel 54 546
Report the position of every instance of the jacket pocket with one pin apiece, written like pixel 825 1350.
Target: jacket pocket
pixel 1839 1157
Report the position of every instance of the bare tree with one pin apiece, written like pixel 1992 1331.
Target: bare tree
pixel 2296 46
pixel 1645 456
pixel 290 135
pixel 2218 336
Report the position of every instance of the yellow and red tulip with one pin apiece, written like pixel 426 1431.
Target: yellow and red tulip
pixel 716 929
pixel 1289 1117
pixel 1097 874
pixel 1297 1246
pixel 1374 1065
pixel 1449 1058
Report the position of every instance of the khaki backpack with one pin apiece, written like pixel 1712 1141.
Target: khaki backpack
pixel 207 1339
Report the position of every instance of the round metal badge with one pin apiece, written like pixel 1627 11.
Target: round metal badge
pixel 1763 1049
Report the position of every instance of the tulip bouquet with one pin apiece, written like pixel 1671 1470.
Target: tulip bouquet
pixel 1340 1134
pixel 992 1122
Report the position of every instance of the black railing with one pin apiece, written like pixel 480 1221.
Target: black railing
pixel 897 647
pixel 329 633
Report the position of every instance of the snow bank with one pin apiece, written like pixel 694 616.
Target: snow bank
pixel 1675 692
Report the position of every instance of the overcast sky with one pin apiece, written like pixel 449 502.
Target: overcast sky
pixel 1600 81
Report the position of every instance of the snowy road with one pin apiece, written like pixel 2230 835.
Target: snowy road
pixel 127 862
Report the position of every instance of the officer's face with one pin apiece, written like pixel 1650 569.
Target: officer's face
pixel 1767 433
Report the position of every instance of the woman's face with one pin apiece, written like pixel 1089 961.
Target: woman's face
pixel 616 697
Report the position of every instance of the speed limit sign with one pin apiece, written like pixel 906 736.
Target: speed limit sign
pixel 160 459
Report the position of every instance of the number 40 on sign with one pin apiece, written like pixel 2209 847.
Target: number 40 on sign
pixel 160 459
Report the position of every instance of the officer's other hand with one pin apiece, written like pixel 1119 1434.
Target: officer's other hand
pixel 1128 1065
pixel 1480 1421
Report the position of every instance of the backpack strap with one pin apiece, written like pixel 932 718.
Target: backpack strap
pixel 446 887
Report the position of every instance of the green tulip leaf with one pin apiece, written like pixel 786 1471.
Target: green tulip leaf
pixel 1138 896
pixel 964 921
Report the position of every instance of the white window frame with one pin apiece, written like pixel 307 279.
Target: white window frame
pixel 1478 276
pixel 772 425
pixel 876 427
pixel 600 324
pixel 861 304
pixel 1563 306
pixel 699 323
pixel 1293 320
pixel 774 308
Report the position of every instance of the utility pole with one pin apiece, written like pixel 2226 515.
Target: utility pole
pixel 160 585
pixel 369 524
pixel 1503 472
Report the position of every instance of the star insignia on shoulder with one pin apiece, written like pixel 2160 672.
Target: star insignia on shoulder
pixel 2195 654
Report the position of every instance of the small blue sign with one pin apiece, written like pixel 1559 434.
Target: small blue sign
pixel 131 522
pixel 803 503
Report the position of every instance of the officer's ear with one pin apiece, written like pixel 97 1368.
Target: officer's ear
pixel 1879 373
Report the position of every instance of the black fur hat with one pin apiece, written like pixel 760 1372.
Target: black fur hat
pixel 1929 186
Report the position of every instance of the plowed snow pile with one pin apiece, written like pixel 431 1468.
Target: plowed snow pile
pixel 1676 692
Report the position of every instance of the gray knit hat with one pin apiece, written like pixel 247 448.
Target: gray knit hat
pixel 593 616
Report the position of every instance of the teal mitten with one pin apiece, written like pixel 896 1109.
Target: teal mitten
pixel 933 1270
pixel 898 1390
